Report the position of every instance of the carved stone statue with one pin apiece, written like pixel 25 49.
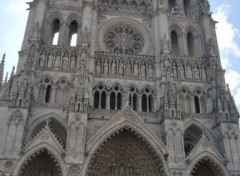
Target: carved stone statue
pixel 84 55
pixel 98 67
pixel 150 70
pixel 196 72
pixel 65 62
pixel 120 68
pixel 136 69
pixel 189 71
pixel 174 70
pixel 113 67
pixel 36 31
pixel 73 61
pixel 129 69
pixel 105 69
pixel 58 60
pixel 42 60
pixel 181 71
pixel 50 60
pixel 143 70
pixel 203 73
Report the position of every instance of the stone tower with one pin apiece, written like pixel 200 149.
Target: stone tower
pixel 118 88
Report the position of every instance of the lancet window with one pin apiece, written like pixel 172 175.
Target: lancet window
pixel 62 92
pixel 116 98
pixel 45 90
pixel 133 98
pixel 55 31
pixel 190 44
pixel 100 97
pixel 147 100
pixel 73 33
pixel 175 42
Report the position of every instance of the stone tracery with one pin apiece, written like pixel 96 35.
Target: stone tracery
pixel 124 39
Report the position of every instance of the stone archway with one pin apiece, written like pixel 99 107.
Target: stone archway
pixel 125 153
pixel 41 163
pixel 206 167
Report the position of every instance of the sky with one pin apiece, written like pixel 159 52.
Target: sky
pixel 13 20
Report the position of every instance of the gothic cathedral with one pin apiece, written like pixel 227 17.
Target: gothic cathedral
pixel 118 88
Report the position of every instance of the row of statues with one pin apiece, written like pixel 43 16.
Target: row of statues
pixel 189 71
pixel 128 68
pixel 59 60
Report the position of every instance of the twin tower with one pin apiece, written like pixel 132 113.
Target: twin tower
pixel 118 88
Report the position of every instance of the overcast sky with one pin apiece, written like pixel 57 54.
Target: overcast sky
pixel 14 16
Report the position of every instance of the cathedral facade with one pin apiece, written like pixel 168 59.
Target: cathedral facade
pixel 118 88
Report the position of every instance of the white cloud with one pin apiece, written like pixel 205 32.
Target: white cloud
pixel 226 32
pixel 227 35
pixel 16 7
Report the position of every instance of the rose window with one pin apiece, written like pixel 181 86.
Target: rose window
pixel 124 39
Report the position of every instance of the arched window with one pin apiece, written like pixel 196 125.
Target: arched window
pixel 190 44
pixel 96 99
pixel 55 31
pixel 187 9
pixel 144 103
pixel 100 97
pixel 191 138
pixel 112 101
pixel 73 30
pixel 103 100
pixel 62 92
pixel 197 104
pixel 147 100
pixel 133 98
pixel 150 103
pixel 116 98
pixel 174 43
pixel 172 4
pixel 48 94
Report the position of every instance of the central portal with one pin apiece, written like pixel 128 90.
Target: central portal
pixel 125 153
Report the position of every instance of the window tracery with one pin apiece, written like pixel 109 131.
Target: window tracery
pixel 123 39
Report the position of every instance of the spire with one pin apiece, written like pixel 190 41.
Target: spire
pixel 6 79
pixel 2 70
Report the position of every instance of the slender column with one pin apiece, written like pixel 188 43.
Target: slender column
pixel 53 95
pixel 139 103
pixel 108 100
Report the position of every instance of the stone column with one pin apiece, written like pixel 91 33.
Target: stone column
pixel 108 100
pixel 53 95
pixel 139 103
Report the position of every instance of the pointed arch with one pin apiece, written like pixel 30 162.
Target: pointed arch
pixel 115 126
pixel 54 157
pixel 209 162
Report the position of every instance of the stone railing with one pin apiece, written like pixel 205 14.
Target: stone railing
pixel 116 65
pixel 197 116
pixel 138 6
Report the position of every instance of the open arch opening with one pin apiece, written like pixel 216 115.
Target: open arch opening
pixel 191 138
pixel 190 44
pixel 174 43
pixel 55 31
pixel 41 163
pixel 206 167
pixel 56 128
pixel 73 30
pixel 125 153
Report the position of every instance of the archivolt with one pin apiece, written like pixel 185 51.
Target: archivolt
pixel 125 153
